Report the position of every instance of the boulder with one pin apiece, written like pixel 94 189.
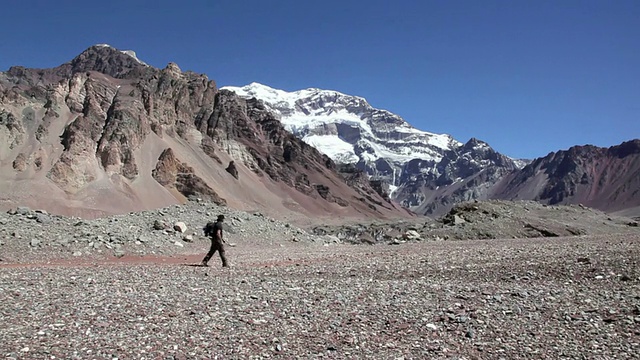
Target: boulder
pixel 159 225
pixel 411 235
pixel 180 227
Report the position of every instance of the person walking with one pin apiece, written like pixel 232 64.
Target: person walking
pixel 214 231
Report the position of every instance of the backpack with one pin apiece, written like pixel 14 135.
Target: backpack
pixel 208 229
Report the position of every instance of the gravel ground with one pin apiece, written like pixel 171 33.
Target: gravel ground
pixel 553 298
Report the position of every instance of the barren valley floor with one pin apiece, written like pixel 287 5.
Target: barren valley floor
pixel 574 297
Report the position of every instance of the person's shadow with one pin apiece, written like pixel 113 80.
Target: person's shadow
pixel 194 265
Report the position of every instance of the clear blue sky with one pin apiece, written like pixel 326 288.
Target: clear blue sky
pixel 528 77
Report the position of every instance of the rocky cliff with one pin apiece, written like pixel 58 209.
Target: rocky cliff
pixel 106 133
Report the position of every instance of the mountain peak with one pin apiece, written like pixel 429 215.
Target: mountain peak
pixel 271 95
pixel 130 53
pixel 105 59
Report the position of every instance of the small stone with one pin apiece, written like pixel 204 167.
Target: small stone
pixel 599 277
pixel 470 334
pixel 188 238
pixel 35 242
pixel 178 243
pixel 432 327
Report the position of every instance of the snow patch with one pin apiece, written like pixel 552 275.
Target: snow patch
pixel 333 147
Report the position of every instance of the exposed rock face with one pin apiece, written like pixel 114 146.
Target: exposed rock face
pixel 604 178
pixel 108 133
pixel 12 129
pixel 173 174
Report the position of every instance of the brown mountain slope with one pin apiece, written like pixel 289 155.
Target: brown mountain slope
pixel 603 178
pixel 105 134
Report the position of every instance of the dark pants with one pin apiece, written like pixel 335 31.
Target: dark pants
pixel 216 245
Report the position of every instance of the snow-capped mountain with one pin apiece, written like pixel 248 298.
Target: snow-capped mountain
pixel 419 166
pixel 349 130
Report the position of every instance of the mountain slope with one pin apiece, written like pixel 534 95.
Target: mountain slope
pixel 106 133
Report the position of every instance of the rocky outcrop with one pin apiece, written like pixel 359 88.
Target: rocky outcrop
pixel 12 129
pixel 172 173
pixel 232 169
pixel 493 219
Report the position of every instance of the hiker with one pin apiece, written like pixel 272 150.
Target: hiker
pixel 214 231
